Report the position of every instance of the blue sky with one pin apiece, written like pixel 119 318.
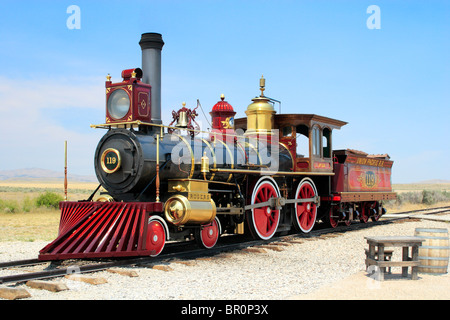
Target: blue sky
pixel 391 84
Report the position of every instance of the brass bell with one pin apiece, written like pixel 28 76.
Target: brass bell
pixel 182 118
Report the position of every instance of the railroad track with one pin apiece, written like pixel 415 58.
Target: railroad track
pixel 177 251
pixel 436 210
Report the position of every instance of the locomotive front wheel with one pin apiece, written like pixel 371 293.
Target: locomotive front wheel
pixel 305 212
pixel 156 236
pixel 207 236
pixel 264 221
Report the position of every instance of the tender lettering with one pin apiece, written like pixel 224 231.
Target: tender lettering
pixel 370 162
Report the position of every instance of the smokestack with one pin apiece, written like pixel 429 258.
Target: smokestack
pixel 151 45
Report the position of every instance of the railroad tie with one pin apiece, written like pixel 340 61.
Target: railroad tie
pixel 122 272
pixel 91 280
pixel 254 250
pixel 271 247
pixel 14 293
pixel 47 285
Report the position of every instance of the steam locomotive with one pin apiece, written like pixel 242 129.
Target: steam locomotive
pixel 263 174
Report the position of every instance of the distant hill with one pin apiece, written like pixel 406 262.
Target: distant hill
pixel 34 174
pixel 434 181
pixel 38 174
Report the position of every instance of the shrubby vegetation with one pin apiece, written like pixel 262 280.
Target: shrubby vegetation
pixel 47 200
pixel 50 199
pixel 9 206
pixel 427 197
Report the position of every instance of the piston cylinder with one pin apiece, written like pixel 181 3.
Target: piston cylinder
pixel 179 210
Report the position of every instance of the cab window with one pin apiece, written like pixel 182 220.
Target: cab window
pixel 316 141
pixel 287 131
pixel 302 140
pixel 326 143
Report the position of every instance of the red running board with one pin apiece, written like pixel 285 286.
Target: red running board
pixel 101 229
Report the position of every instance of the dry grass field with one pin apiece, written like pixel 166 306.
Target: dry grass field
pixel 24 221
pixel 410 196
pixel 28 222
pixel 399 188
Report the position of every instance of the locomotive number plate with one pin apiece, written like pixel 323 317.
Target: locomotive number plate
pixel 110 160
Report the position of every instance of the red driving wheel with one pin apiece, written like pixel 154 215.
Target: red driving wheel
pixel 264 221
pixel 305 212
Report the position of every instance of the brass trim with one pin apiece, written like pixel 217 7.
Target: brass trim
pixel 179 188
pixel 179 211
pixel 189 185
pixel 199 196
pixel 130 107
pixel 142 123
pixel 102 160
pixel 104 198
pixel 274 173
pixel 157 168
pixel 213 155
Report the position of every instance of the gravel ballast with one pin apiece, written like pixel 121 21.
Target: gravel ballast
pixel 296 271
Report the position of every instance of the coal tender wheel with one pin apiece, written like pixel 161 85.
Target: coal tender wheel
pixel 331 218
pixel 347 222
pixel 375 212
pixel 365 212
pixel 156 236
pixel 305 212
pixel 207 236
pixel 263 221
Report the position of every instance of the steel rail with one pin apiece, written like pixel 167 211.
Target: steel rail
pixel 20 263
pixel 75 269
pixel 190 254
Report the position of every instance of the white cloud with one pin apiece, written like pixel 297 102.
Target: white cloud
pixel 26 94
pixel 29 137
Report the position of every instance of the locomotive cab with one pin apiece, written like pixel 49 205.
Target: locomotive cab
pixel 307 137
pixel 309 140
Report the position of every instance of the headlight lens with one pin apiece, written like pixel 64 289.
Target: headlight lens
pixel 118 104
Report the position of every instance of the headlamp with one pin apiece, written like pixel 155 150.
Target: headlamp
pixel 118 104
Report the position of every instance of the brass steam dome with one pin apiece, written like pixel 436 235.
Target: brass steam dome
pixel 260 113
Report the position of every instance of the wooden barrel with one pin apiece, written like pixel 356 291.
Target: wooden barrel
pixel 434 251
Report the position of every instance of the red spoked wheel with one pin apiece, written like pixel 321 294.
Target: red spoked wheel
pixel 206 236
pixel 156 235
pixel 305 212
pixel 264 221
pixel 376 214
pixel 330 217
pixel 365 212
pixel 347 222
